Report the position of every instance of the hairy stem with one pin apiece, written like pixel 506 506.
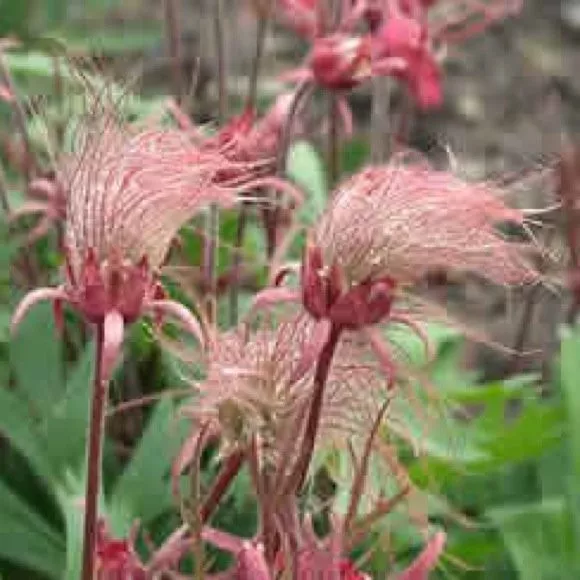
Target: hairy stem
pixel 173 36
pixel 296 478
pixel 95 443
pixel 224 479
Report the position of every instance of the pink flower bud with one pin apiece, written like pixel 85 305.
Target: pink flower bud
pixel 116 559
pixel 406 39
pixel 341 61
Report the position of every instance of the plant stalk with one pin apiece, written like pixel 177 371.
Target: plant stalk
pixel 381 140
pixel 224 479
pixel 243 215
pixel 298 475
pixel 95 444
pixel 173 36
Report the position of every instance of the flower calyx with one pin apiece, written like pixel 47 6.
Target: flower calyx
pixel 325 294
pixel 101 287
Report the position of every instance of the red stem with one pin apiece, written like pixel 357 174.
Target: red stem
pixel 298 475
pixel 227 474
pixel 95 444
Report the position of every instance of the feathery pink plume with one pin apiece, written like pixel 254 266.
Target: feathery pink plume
pixel 405 221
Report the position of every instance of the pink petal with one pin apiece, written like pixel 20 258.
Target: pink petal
pixel 31 299
pixel 113 332
pixel 278 185
pixel 223 540
pixel 180 313
pixel 272 296
pixel 426 561
pixel 6 94
pixel 383 354
pixel 251 564
pixel 417 329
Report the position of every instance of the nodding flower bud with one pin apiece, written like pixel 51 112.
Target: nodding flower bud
pixel 407 39
pixel 341 61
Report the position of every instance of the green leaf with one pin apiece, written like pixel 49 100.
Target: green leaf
pixel 26 539
pixel 17 426
pixel 143 491
pixel 354 154
pixel 71 493
pixel 539 538
pixel 569 377
pixel 36 357
pixel 67 424
pixel 16 17
pixel 305 168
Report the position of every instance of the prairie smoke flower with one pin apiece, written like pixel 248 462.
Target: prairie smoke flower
pixel 252 140
pixel 405 221
pixel 248 145
pixel 405 33
pixel 339 59
pixel 128 192
pixel 315 557
pixel 254 384
pixel 387 228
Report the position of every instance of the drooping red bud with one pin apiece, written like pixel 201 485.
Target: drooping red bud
pixel 341 61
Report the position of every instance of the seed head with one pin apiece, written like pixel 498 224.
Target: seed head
pixel 405 221
pixel 128 191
